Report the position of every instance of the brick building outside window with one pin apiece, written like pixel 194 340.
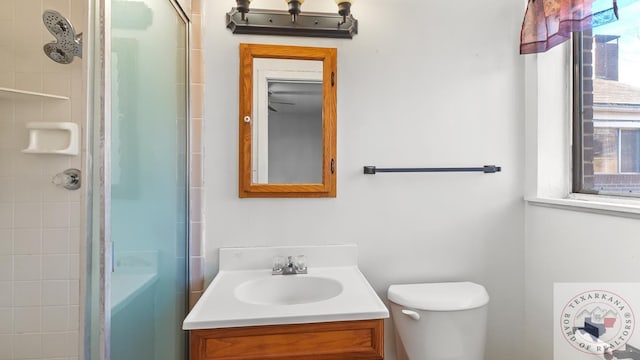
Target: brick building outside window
pixel 607 153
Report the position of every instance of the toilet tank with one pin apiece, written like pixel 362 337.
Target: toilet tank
pixel 439 321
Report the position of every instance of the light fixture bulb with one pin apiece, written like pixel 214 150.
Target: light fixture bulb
pixel 294 8
pixel 243 7
pixel 344 9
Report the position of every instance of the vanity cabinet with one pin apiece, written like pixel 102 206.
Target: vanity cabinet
pixel 343 340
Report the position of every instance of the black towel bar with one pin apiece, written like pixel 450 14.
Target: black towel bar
pixel 487 169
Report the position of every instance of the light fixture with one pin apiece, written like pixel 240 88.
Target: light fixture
pixel 293 22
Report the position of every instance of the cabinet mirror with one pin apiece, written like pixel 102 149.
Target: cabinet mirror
pixel 287 121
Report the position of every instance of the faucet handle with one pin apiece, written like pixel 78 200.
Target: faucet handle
pixel 300 263
pixel 278 264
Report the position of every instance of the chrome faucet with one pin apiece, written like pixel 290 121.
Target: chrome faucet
pixel 293 265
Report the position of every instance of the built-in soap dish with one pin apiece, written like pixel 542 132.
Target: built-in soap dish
pixel 60 138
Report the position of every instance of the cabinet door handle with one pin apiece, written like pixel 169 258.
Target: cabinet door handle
pixel 412 314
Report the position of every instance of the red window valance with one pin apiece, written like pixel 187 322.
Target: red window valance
pixel 548 23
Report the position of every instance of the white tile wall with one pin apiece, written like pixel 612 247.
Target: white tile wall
pixel 6 346
pixel 39 222
pixel 6 295
pixel 27 241
pixel 196 186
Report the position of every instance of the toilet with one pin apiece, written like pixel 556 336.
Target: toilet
pixel 439 321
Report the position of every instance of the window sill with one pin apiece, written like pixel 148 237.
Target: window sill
pixel 595 204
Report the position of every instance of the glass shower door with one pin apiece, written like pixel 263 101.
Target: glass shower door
pixel 148 177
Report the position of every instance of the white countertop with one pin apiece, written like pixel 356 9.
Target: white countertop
pixel 219 307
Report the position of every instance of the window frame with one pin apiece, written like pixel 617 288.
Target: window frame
pixel 577 126
pixel 577 134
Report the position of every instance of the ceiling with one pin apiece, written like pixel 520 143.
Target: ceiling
pixel 295 96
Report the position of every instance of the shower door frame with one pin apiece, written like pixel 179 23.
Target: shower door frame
pixel 98 138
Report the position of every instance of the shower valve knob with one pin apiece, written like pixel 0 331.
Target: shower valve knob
pixel 69 179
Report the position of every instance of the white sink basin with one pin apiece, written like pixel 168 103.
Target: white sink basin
pixel 287 290
pixel 244 293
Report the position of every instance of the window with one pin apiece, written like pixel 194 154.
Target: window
pixel 615 150
pixel 606 126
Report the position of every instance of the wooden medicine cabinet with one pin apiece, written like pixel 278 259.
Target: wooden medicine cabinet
pixel 287 121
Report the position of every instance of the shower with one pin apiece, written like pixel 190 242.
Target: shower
pixel 137 292
pixel 61 295
pixel 67 44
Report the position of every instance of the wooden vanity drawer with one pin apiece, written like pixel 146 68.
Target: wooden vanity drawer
pixel 346 340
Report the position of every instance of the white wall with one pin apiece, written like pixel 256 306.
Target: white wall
pixel 571 246
pixel 437 84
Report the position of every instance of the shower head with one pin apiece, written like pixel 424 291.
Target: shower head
pixel 67 44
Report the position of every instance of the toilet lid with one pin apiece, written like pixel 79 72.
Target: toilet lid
pixel 450 296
